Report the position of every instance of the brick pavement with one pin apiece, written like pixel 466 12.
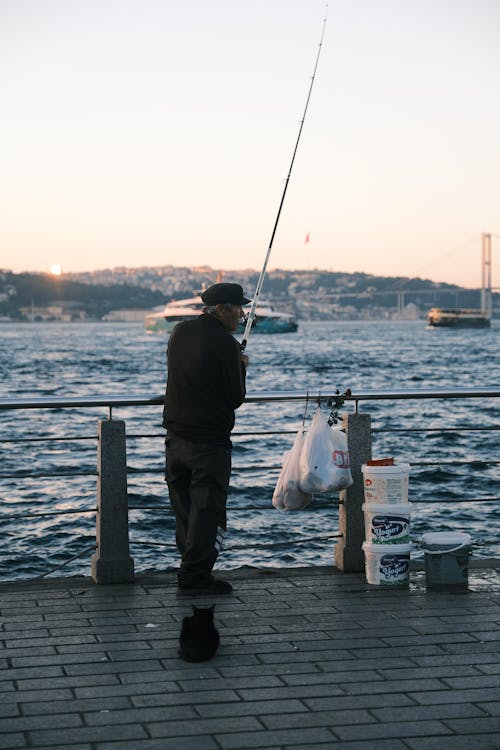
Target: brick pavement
pixel 309 658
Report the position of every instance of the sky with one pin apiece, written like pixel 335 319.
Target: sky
pixel 153 132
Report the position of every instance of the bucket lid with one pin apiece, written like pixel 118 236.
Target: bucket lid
pixel 387 509
pixel 397 469
pixel 444 540
pixel 387 549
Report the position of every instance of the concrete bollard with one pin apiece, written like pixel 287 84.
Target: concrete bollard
pixel 112 562
pixel 349 555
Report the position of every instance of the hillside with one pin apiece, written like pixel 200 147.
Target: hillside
pixel 20 293
pixel 311 294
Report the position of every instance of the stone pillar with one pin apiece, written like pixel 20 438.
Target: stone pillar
pixel 112 562
pixel 349 555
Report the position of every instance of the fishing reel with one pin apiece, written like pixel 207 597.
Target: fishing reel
pixel 335 403
pixel 244 320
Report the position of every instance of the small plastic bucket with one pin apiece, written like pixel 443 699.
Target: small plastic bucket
pixel 387 565
pixel 446 559
pixel 386 484
pixel 387 524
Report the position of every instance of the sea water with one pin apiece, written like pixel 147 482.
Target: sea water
pixel 52 471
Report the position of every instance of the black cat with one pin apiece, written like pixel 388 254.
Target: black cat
pixel 199 638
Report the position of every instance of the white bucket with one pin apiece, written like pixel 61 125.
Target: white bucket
pixel 387 524
pixel 446 558
pixel 387 565
pixel 386 484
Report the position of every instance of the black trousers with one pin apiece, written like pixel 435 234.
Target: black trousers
pixel 197 475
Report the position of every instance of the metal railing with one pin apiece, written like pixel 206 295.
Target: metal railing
pixel 325 394
pixel 349 532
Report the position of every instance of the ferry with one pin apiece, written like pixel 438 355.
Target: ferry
pixel 267 319
pixel 457 318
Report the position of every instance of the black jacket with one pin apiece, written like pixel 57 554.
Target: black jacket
pixel 205 381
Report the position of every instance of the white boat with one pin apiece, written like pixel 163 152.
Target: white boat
pixel 267 319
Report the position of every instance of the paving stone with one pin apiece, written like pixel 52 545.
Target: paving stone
pixel 331 719
pixel 86 734
pixel 178 699
pixel 33 662
pixel 272 738
pixel 465 742
pixel 393 686
pixel 418 640
pixel 419 713
pixel 117 689
pixel 486 724
pixel 24 635
pixel 108 667
pixel 8 710
pixel 319 656
pixel 235 683
pixel 47 640
pixel 386 744
pixel 142 715
pixel 71 682
pixel 446 672
pixel 454 659
pixel 113 703
pixel 341 702
pixel 223 660
pixel 33 672
pixel 30 723
pixel 397 729
pixel 480 681
pixel 20 653
pixel 492 708
pixel 355 664
pixel 253 708
pixel 47 696
pixel 247 724
pixel 203 742
pixel 279 647
pixel 394 652
pixel 13 622
pixel 456 696
pixel 12 741
pixel 470 649
pixel 262 669
pixel 490 668
pixel 333 678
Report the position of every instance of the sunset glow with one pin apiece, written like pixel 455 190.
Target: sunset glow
pixel 173 138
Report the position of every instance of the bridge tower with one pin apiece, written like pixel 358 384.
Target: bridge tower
pixel 486 300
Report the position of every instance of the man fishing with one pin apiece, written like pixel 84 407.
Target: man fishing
pixel 205 384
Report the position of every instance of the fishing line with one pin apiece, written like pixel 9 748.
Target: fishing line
pixel 251 314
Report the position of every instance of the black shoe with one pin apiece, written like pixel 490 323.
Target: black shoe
pixel 212 585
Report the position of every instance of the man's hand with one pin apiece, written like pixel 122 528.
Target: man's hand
pixel 244 360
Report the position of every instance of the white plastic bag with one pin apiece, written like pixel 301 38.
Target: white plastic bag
pixel 324 459
pixel 288 495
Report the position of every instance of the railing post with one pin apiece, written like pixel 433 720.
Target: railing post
pixel 112 562
pixel 348 552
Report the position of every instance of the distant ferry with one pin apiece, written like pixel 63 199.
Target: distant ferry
pixel 457 318
pixel 267 319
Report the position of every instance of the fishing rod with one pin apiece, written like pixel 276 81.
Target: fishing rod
pixel 251 315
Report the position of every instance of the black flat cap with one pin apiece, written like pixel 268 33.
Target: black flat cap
pixel 219 294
